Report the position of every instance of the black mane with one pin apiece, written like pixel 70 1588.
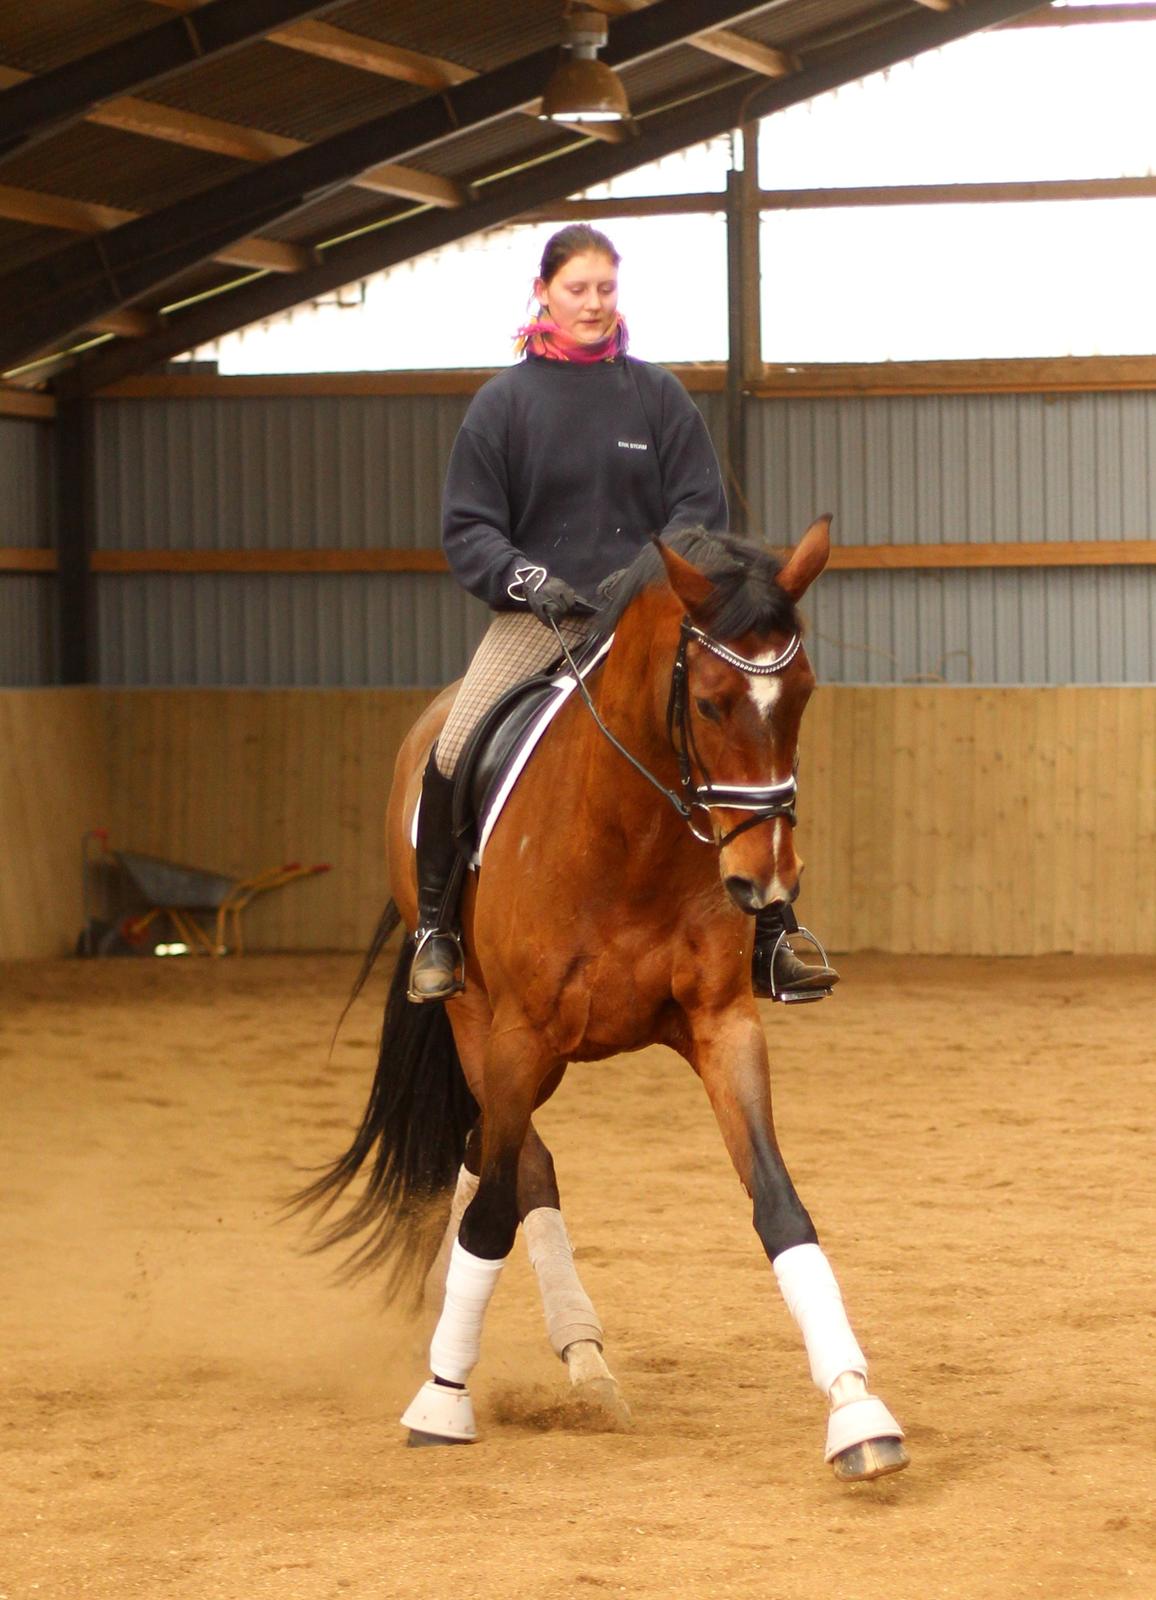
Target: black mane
pixel 746 599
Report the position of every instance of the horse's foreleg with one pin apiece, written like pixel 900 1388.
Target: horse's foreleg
pixel 572 1323
pixel 863 1438
pixel 574 1326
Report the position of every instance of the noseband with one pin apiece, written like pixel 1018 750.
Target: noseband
pixel 762 800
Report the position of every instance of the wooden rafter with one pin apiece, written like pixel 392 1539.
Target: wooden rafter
pixel 363 54
pixel 82 279
pixel 84 216
pixel 150 120
pixel 37 108
pixel 512 195
pixel 129 323
pixel 721 42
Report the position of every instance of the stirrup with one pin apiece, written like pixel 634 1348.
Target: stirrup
pixel 798 997
pixel 457 980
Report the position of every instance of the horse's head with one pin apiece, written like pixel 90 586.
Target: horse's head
pixel 747 681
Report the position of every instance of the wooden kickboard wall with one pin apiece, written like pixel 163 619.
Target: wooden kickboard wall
pixel 932 820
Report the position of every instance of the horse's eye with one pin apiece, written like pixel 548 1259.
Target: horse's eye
pixel 707 709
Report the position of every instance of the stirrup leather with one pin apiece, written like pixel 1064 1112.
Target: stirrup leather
pixel 798 997
pixel 457 981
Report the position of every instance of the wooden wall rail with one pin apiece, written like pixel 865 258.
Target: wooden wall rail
pixel 932 819
pixel 815 380
pixel 844 558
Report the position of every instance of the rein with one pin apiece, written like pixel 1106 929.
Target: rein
pixel 763 800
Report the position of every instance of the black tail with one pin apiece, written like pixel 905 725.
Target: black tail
pixel 411 1139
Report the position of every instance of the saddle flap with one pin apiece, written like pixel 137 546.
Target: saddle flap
pixel 501 744
pixel 490 751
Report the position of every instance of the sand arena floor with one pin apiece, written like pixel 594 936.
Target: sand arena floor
pixel 192 1408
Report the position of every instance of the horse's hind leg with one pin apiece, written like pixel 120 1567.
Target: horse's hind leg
pixel 863 1438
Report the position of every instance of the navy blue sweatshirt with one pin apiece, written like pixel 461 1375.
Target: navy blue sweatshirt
pixel 573 467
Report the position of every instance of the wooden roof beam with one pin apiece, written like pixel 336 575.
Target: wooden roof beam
pixel 32 110
pixel 150 120
pixel 721 42
pixel 364 54
pixel 79 281
pixel 84 216
pixel 507 198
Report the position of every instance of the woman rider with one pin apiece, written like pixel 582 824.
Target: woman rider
pixel 565 466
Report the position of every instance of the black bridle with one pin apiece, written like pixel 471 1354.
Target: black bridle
pixel 763 800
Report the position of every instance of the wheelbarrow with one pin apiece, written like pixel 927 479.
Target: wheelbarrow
pixel 182 896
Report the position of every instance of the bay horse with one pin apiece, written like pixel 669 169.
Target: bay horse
pixel 611 911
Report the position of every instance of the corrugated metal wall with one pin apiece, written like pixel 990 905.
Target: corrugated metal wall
pixel 27 518
pixel 285 473
pixel 366 472
pixel 974 469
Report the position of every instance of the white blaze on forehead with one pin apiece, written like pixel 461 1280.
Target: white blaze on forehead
pixel 765 687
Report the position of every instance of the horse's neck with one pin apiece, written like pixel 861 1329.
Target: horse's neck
pixel 630 692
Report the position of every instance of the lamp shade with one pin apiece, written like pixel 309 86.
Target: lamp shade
pixel 583 89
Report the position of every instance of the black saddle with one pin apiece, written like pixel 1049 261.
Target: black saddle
pixel 490 752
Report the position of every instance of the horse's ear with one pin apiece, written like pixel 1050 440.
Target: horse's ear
pixel 805 562
pixel 691 586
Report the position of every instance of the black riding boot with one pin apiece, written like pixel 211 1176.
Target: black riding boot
pixel 776 971
pixel 438 969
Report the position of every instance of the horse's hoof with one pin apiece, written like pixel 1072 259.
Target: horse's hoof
pixel 864 1440
pixel 593 1382
pixel 874 1458
pixel 440 1415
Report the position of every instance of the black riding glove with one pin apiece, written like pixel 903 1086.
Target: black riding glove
pixel 554 598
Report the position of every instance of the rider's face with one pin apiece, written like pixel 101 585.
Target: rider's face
pixel 582 296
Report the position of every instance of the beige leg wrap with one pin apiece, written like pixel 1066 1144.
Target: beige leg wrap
pixel 570 1314
pixel 435 1283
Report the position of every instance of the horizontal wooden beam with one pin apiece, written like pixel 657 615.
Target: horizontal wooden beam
pixel 820 380
pixel 1139 187
pixel 26 403
pixel 706 379
pixel 1042 375
pixel 959 194
pixel 1010 553
pixel 22 560
pixel 985 556
pixel 268 561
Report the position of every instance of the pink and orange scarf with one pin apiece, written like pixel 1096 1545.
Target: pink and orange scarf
pixel 541 337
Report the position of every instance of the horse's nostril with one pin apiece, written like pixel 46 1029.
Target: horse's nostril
pixel 744 892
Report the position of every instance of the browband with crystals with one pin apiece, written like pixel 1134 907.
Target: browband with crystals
pixel 760 669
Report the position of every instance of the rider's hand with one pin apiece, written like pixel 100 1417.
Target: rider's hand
pixel 554 598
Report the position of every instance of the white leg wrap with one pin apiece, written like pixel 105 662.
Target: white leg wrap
pixel 813 1299
pixel 435 1282
pixel 457 1339
pixel 570 1314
